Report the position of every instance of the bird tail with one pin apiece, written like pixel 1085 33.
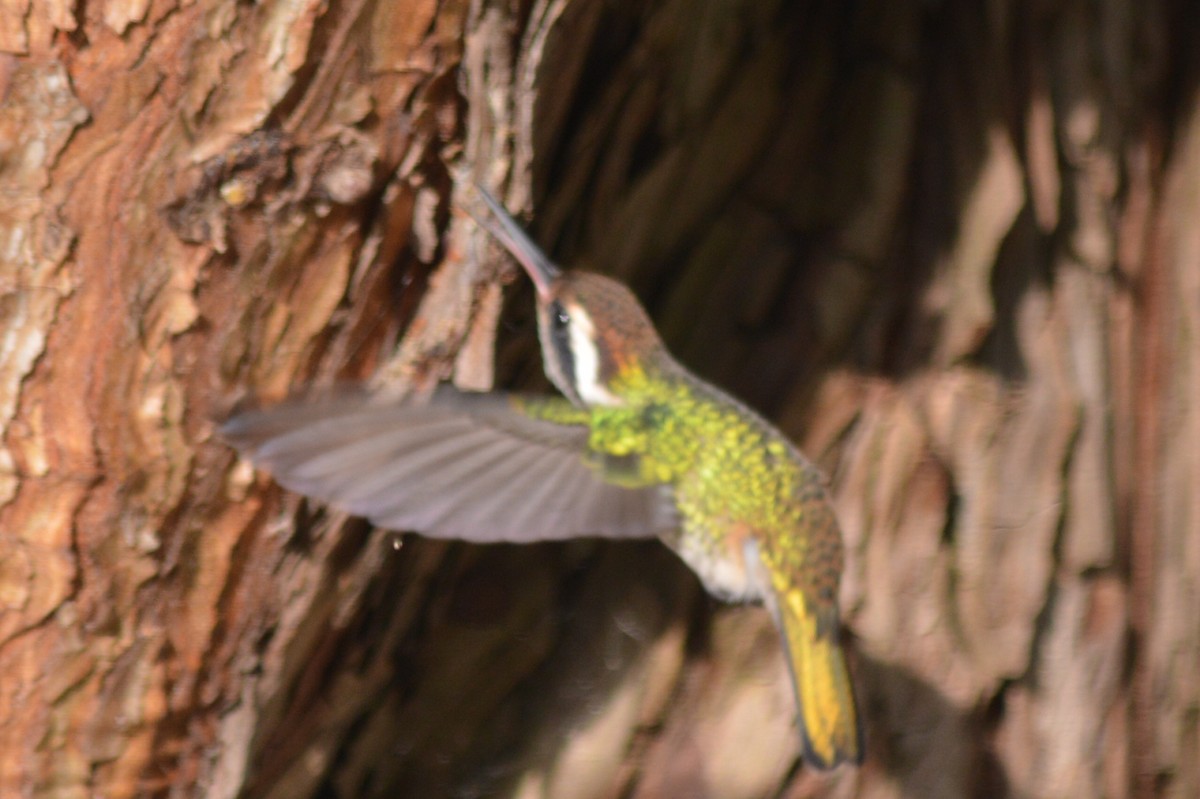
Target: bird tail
pixel 828 718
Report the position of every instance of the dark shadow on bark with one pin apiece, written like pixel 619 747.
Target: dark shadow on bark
pixel 513 650
pixel 932 747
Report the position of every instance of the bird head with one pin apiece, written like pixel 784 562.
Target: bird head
pixel 592 328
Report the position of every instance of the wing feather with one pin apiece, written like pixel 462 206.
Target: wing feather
pixel 467 466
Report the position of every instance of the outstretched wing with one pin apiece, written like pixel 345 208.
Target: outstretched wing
pixel 468 466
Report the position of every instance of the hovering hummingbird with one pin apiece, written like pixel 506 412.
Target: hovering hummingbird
pixel 640 447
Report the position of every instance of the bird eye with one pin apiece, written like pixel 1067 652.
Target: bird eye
pixel 558 317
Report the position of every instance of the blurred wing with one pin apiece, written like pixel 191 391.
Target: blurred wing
pixel 466 466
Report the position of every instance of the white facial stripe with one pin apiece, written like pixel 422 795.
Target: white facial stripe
pixel 587 360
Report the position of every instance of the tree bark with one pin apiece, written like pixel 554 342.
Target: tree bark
pixel 950 247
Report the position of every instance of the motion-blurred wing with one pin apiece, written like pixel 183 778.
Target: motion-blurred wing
pixel 466 466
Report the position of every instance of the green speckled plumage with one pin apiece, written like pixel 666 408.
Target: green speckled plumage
pixel 730 471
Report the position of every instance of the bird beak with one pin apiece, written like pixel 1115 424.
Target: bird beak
pixel 541 269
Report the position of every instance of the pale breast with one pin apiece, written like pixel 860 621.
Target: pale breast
pixel 727 564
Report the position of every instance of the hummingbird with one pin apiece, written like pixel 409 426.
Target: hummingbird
pixel 636 446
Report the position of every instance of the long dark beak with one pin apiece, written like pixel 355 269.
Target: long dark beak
pixel 541 269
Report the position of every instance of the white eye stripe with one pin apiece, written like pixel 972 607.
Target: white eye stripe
pixel 587 360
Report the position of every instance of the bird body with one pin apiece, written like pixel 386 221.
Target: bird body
pixel 639 446
pixel 734 479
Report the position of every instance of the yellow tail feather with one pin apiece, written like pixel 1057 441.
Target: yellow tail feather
pixel 829 723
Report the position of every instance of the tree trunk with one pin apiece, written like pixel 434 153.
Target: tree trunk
pixel 950 247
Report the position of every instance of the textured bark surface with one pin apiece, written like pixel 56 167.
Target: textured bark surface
pixel 951 247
